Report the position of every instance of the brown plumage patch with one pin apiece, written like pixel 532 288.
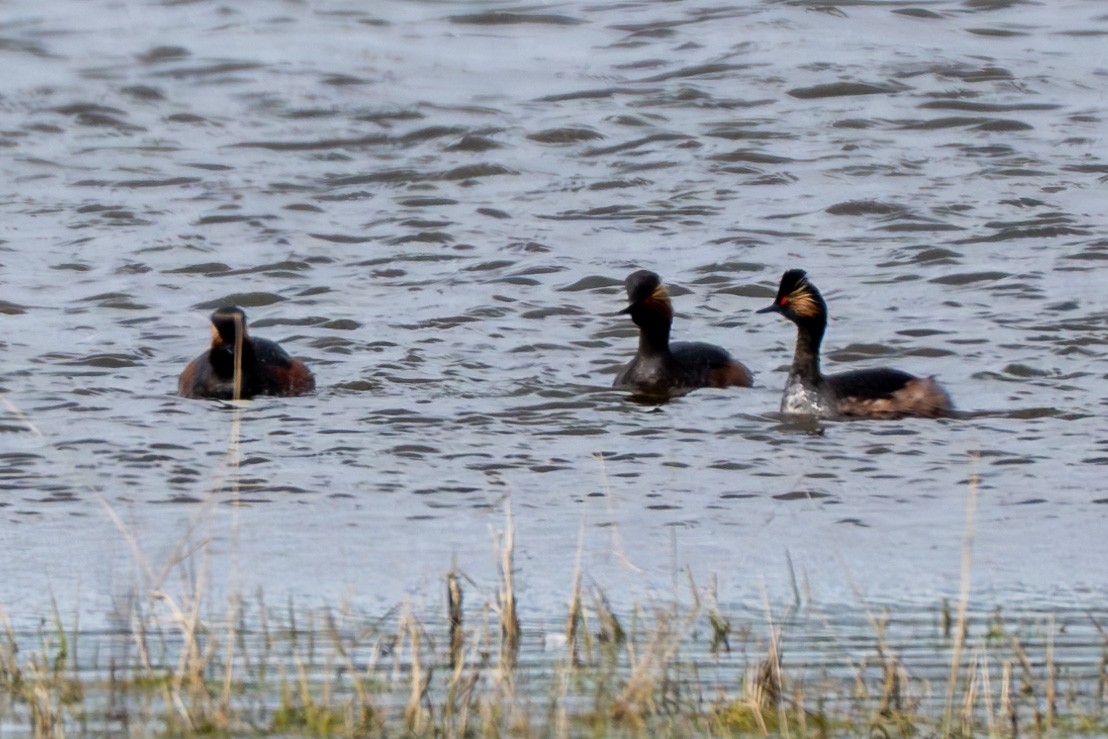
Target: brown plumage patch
pixel 735 374
pixel 919 397
pixel 803 302
pixel 194 380
pixel 659 302
pixel 296 379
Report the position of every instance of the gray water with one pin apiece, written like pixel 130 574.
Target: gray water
pixel 435 203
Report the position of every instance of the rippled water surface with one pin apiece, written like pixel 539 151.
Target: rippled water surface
pixel 435 203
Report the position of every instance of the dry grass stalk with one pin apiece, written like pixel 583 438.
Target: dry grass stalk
pixel 506 597
pixel 1007 705
pixel 574 621
pixel 573 624
pixel 609 500
pixel 459 689
pixel 1051 676
pixel 1027 680
pixel 576 606
pixel 637 701
pixel 455 709
pixel 609 631
pixel 44 720
pixel 1102 668
pixel 304 686
pixel 360 709
pixel 963 602
pixel 11 673
pixel 891 698
pixel 987 692
pixel 771 683
pixel 753 698
pixel 560 728
pixel 414 717
pixel 462 700
pixel 189 692
pixel 969 700
pixel 44 687
pixel 21 416
pixel 454 618
pixel 224 705
pixel 721 625
pixel 236 391
pixel 798 701
pixel 1102 677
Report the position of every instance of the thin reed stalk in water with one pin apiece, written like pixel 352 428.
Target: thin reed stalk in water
pixel 1027 680
pixel 573 620
pixel 721 625
pixel 573 625
pixel 771 681
pixel 236 391
pixel 509 616
pixel 413 711
pixel 233 461
pixel 454 617
pixel 15 411
pixel 968 701
pixel 609 499
pixel 1007 705
pixel 1051 682
pixel 987 692
pixel 963 602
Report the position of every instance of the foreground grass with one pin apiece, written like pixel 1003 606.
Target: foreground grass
pixel 682 667
pixel 675 669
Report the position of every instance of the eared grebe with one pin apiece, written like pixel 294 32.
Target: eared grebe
pixel 266 368
pixel 662 368
pixel 876 393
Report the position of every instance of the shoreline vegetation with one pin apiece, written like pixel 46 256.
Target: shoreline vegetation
pixel 682 667
pixel 664 670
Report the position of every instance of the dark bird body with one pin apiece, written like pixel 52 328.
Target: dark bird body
pixel 875 393
pixel 266 368
pixel 665 369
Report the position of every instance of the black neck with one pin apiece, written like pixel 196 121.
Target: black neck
pixel 809 336
pixel 653 330
pixel 222 357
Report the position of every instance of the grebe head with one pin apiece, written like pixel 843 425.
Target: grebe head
pixel 647 295
pixel 798 299
pixel 225 323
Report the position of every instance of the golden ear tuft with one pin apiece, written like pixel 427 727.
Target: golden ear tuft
pixel 803 302
pixel 659 301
